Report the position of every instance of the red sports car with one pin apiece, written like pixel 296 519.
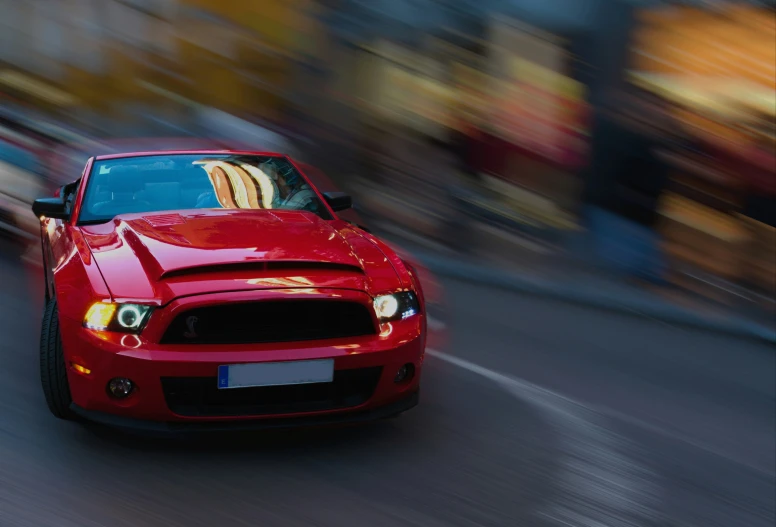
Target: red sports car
pixel 220 290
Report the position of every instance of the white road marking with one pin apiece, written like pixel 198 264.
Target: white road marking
pixel 607 413
pixel 599 486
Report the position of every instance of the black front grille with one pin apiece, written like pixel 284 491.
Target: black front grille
pixel 200 396
pixel 270 321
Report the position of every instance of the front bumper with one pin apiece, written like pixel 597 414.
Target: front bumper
pixel 149 365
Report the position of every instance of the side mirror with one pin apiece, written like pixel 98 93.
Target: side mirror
pixel 338 200
pixel 50 208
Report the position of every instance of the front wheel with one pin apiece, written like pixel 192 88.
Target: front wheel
pixel 53 370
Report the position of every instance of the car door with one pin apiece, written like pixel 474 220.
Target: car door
pixel 56 237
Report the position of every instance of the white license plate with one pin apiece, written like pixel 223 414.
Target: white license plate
pixel 275 373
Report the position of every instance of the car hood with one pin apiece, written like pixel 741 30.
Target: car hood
pixel 160 257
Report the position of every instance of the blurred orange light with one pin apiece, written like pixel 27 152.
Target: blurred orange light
pixel 82 369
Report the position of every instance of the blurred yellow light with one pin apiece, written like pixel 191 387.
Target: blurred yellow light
pixel 81 369
pixel 99 316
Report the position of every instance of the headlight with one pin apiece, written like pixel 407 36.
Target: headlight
pixel 396 307
pixel 122 318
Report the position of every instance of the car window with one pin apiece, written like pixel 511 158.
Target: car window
pixel 69 193
pixel 178 182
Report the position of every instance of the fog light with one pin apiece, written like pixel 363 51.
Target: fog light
pixel 120 387
pixel 404 374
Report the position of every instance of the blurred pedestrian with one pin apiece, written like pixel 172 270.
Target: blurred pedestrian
pixel 625 213
pixel 372 149
pixel 757 165
pixel 759 175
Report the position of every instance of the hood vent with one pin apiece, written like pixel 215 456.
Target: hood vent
pixel 276 266
pixel 164 220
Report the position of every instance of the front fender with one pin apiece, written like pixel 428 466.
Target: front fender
pixel 77 280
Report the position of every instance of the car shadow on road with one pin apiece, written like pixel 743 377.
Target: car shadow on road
pixel 280 442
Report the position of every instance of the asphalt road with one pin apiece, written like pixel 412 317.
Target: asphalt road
pixel 536 414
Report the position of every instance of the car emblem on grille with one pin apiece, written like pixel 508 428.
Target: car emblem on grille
pixel 191 322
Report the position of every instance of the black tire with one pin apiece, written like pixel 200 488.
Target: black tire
pixel 53 370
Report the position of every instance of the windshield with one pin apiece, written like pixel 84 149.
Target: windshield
pixel 176 182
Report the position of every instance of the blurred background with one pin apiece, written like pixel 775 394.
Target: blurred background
pixel 596 153
pixel 620 140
